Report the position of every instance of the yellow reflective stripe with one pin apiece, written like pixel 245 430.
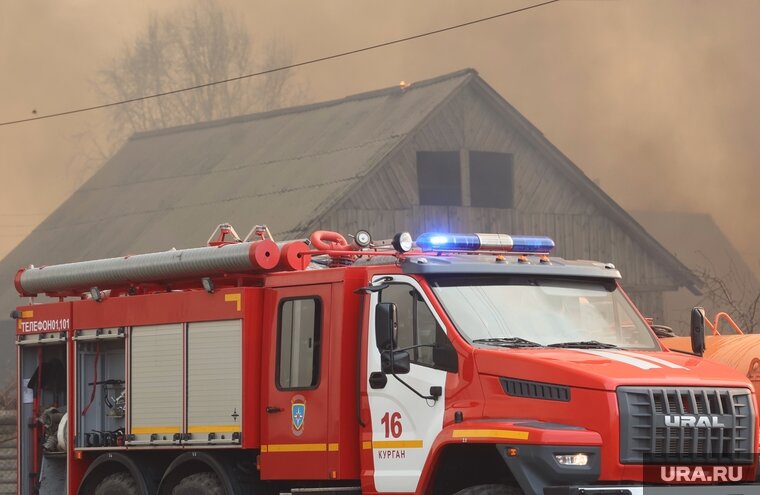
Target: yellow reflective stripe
pixel 213 429
pixel 397 444
pixel 142 430
pixel 295 447
pixel 334 447
pixel 233 298
pixel 301 447
pixel 510 434
pixel 27 314
pixel 393 444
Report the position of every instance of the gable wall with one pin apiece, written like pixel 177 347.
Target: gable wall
pixel 546 201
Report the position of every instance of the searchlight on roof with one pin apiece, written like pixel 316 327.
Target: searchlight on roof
pixel 434 241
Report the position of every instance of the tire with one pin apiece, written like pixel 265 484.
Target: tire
pixel 490 490
pixel 117 484
pixel 199 484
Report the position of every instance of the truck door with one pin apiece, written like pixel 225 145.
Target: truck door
pixel 404 424
pixel 294 392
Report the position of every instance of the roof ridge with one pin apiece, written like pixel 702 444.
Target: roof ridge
pixel 302 108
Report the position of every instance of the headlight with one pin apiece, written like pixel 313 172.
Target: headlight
pixel 571 459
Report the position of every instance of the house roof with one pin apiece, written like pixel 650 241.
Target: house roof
pixel 171 187
pixel 285 168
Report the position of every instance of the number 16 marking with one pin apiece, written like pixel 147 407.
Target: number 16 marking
pixel 392 423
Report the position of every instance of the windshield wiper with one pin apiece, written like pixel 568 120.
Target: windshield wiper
pixel 584 344
pixel 507 342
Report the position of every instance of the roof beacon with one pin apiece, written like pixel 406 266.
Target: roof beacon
pixel 484 242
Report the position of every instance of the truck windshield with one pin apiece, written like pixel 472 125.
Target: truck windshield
pixel 531 312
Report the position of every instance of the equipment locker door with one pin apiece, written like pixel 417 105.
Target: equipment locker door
pixel 295 388
pixel 155 384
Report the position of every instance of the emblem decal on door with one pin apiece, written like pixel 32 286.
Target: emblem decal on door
pixel 297 414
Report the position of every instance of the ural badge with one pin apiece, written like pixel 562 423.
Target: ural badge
pixel 297 414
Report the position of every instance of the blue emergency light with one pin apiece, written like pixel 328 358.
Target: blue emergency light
pixel 432 241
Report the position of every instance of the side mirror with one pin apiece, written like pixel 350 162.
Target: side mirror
pixel 395 362
pixel 698 331
pixel 386 326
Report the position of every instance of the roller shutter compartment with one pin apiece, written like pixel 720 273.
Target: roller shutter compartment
pixel 155 393
pixel 214 382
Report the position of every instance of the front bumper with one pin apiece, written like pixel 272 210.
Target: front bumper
pixel 738 489
pixel 535 468
pixel 536 471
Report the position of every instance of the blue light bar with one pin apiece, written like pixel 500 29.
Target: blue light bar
pixel 448 242
pixel 433 241
pixel 532 244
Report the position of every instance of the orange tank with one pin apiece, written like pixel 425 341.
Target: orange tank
pixel 739 351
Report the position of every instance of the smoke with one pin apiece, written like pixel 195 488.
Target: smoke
pixel 656 100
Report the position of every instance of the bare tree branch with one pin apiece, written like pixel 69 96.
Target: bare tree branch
pixel 733 291
pixel 201 43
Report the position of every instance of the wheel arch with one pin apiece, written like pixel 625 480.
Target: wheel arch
pixel 457 466
pixel 114 462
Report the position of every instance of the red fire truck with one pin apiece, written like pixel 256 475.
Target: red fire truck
pixel 469 363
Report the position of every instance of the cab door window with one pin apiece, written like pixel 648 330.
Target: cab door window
pixel 298 344
pixel 416 324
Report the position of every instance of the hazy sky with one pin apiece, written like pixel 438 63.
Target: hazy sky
pixel 655 99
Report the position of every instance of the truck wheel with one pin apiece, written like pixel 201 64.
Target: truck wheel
pixel 199 484
pixel 490 490
pixel 117 484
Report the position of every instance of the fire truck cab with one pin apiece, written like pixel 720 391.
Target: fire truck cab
pixel 472 364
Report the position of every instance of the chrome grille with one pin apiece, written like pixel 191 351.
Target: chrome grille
pixel 685 425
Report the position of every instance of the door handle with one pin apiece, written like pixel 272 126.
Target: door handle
pixel 377 380
pixel 273 409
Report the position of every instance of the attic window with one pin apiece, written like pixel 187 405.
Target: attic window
pixel 439 178
pixel 491 179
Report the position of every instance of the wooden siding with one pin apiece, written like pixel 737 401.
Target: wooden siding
pixel 576 236
pixel 7 452
pixel 547 201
